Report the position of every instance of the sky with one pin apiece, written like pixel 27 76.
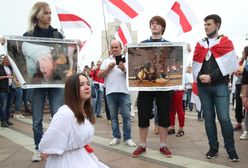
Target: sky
pixel 234 14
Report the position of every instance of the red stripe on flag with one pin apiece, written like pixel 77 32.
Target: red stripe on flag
pixel 218 50
pixel 122 36
pixel 183 20
pixel 195 88
pixel 71 17
pixel 124 7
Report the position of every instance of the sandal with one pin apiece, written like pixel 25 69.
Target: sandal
pixel 180 133
pixel 171 131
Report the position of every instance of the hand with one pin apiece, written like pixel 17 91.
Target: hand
pixel 121 66
pixel 205 78
pixel 111 65
pixel 188 48
pixel 245 102
pixel 2 40
pixel 44 156
pixel 81 44
pixel 46 66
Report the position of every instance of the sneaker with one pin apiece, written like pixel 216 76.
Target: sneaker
pixel 167 153
pixel 244 136
pixel 36 156
pixel 109 122
pixel 4 124
pixel 233 156
pixel 114 142
pixel 171 131
pixel 21 116
pixel 212 153
pixel 16 116
pixel 138 151
pixel 130 143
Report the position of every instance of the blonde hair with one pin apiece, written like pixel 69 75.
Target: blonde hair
pixel 36 13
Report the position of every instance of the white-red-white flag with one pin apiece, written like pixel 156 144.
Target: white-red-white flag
pixel 182 16
pixel 124 10
pixel 195 98
pixel 123 34
pixel 69 20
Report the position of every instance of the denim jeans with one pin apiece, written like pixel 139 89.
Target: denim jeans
pixel 18 99
pixel 215 100
pixel 97 102
pixel 122 102
pixel 5 104
pixel 56 99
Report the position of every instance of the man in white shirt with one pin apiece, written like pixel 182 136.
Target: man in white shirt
pixel 117 95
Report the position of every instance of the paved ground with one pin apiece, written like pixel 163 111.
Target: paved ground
pixel 16 146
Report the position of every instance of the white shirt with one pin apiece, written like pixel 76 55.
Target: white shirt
pixel 64 142
pixel 115 81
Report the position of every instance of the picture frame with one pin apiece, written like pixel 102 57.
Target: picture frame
pixel 42 62
pixel 158 66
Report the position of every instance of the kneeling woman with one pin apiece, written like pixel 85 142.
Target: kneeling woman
pixel 65 143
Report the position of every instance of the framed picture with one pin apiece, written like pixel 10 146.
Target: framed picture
pixel 42 62
pixel 156 66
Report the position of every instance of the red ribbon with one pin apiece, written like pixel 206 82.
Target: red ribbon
pixel 88 148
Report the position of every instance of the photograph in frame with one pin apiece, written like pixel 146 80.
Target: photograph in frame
pixel 156 66
pixel 42 62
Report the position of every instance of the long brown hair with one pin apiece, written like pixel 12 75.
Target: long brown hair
pixel 74 101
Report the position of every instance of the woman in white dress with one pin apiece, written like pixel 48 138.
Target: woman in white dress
pixel 65 143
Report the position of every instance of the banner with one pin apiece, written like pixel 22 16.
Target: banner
pixel 42 62
pixel 156 66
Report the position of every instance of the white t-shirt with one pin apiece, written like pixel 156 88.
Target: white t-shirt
pixel 115 81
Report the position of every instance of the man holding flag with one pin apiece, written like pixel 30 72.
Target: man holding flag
pixel 214 59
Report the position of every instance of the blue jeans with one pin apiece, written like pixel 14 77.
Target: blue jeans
pixel 56 99
pixel 215 100
pixel 122 102
pixel 18 99
pixel 5 104
pixel 97 102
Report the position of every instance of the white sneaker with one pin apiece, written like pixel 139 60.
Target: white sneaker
pixel 17 116
pixel 21 116
pixel 244 136
pixel 130 143
pixel 115 141
pixel 36 156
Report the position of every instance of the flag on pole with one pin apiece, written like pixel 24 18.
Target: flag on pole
pixel 124 10
pixel 71 21
pixel 182 16
pixel 123 34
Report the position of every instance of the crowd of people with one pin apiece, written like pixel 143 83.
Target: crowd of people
pixel 75 108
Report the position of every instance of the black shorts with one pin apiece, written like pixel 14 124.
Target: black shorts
pixel 145 105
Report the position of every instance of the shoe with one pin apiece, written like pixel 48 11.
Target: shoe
pixel 180 133
pixel 21 116
pixel 36 156
pixel 114 142
pixel 4 124
pixel 98 116
pixel 16 116
pixel 237 128
pixel 212 153
pixel 130 143
pixel 233 156
pixel 138 151
pixel 155 131
pixel 9 123
pixel 109 122
pixel 167 153
pixel 171 131
pixel 244 136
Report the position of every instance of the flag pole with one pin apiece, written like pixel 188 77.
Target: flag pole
pixel 105 26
